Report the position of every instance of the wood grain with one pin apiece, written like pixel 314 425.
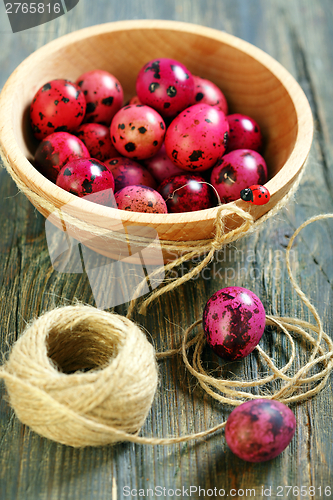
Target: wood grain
pixel 298 34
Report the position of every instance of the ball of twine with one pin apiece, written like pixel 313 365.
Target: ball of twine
pixel 81 376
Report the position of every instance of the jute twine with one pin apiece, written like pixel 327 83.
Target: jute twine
pixel 52 394
pixel 82 376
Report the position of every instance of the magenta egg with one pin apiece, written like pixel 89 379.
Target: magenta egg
pixel 197 137
pixel 96 138
pixel 236 171
pixel 137 131
pixel 56 150
pixel 244 133
pixel 86 177
pixel 140 199
pixel 166 85
pixel 206 92
pixel 103 94
pixel 260 429
pixel 233 322
pixel 58 106
pixel 161 167
pixel 186 193
pixel 127 172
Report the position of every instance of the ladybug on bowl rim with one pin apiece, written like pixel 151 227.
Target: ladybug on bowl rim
pixel 256 194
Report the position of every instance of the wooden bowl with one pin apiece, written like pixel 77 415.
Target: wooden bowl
pixel 252 81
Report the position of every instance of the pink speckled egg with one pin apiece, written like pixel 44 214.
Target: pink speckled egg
pixel 140 199
pixel 56 150
pixel 86 177
pixel 166 85
pixel 103 94
pixel 137 131
pixel 127 172
pixel 236 171
pixel 244 133
pixel 186 193
pixel 96 138
pixel 58 106
pixel 233 322
pixel 259 430
pixel 161 167
pixel 197 137
pixel 207 92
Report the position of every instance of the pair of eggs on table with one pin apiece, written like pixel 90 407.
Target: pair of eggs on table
pixel 234 322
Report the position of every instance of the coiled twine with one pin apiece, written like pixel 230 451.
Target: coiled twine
pixel 81 376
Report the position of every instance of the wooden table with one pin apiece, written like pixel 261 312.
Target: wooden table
pixel 299 35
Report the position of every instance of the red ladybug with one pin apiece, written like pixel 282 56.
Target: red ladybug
pixel 256 194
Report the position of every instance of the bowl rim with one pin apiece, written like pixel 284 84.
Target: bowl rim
pixel 10 149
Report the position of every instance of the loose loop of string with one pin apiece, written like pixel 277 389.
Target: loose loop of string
pixel 74 408
pixel 228 391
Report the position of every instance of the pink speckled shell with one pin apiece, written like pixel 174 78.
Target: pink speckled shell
pixel 186 193
pixel 244 133
pixel 238 170
pixel 206 92
pixel 58 106
pixel 88 176
pixel 103 94
pixel 166 85
pixel 97 139
pixel 137 131
pixel 56 150
pixel 127 172
pixel 196 138
pixel 234 322
pixel 140 199
pixel 161 167
pixel 259 430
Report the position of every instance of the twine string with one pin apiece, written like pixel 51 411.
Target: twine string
pixel 231 392
pixel 292 383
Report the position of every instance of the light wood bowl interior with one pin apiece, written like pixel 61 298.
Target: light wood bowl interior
pixel 253 83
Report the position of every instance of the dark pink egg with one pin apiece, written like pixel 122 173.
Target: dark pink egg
pixel 166 85
pixel 86 177
pixel 197 137
pixel 140 199
pixel 161 167
pixel 244 133
pixel 58 106
pixel 236 171
pixel 56 150
pixel 186 193
pixel 127 172
pixel 206 92
pixel 104 95
pixel 97 139
pixel 259 430
pixel 233 322
pixel 137 131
